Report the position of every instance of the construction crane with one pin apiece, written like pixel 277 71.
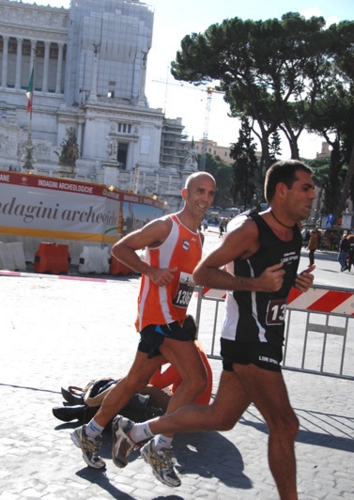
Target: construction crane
pixel 209 91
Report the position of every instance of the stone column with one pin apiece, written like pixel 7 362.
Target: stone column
pixel 132 154
pixel 46 67
pixel 33 52
pixel 157 184
pixel 131 180
pixel 143 78
pixel 18 63
pixel 59 68
pixel 93 92
pixel 81 122
pixel 5 52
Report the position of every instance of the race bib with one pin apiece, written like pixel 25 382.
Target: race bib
pixel 184 291
pixel 276 312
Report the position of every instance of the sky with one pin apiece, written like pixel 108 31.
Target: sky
pixel 173 20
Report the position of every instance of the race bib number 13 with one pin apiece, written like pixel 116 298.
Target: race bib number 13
pixel 184 291
pixel 276 312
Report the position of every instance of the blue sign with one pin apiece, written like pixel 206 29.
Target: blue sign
pixel 330 220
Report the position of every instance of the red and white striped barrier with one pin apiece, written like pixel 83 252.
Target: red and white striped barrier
pixel 323 300
pixel 315 299
pixel 212 293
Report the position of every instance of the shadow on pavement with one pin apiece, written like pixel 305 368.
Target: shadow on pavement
pixel 322 421
pixel 99 477
pixel 210 454
pixel 28 388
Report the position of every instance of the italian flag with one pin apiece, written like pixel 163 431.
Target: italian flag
pixel 29 93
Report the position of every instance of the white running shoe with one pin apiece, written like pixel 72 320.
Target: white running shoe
pixel 162 463
pixel 122 444
pixel 90 447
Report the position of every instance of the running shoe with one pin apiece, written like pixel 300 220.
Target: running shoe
pixel 90 447
pixel 162 463
pixel 122 444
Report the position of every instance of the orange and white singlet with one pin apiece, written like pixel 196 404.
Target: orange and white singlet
pixel 160 305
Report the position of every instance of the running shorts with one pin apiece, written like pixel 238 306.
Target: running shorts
pixel 261 354
pixel 152 336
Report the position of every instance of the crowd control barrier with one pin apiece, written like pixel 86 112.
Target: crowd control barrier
pixel 94 260
pixel 12 256
pixel 52 258
pixel 319 330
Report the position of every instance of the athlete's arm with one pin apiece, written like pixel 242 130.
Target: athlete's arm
pixel 239 243
pixel 152 234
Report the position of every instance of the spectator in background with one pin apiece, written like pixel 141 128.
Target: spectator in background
pixel 221 228
pixel 343 252
pixel 306 238
pixel 350 260
pixel 330 240
pixel 312 247
pixel 319 238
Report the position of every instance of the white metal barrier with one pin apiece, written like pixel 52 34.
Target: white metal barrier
pixel 319 333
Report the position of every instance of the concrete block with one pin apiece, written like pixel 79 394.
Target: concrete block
pixel 94 260
pixel 6 258
pixel 18 255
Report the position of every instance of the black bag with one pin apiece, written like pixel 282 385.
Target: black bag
pixel 83 404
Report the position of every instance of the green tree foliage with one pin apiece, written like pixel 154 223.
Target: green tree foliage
pixel 245 167
pixel 262 67
pixel 328 119
pixel 283 75
pixel 321 177
pixel 275 147
pixel 321 168
pixel 222 174
pixel 343 51
pixel 333 118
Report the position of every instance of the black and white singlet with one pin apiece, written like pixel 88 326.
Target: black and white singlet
pixel 259 316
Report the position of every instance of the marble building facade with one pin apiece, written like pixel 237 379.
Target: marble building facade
pixel 89 74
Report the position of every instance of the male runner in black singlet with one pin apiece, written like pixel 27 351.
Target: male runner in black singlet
pixel 261 252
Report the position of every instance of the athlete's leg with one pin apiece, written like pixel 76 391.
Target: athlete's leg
pixel 230 403
pixel 267 391
pixel 138 377
pixel 184 356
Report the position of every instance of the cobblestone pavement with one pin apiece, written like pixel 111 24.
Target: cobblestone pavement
pixel 58 331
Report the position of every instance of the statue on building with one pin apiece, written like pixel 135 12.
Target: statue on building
pixel 27 156
pixel 68 156
pixel 96 47
pixel 191 163
pixel 69 149
pixel 112 148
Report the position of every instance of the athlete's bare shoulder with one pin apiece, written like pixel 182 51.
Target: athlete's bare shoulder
pixel 243 235
pixel 158 230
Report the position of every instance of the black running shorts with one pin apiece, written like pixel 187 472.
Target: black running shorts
pixel 152 336
pixel 261 354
